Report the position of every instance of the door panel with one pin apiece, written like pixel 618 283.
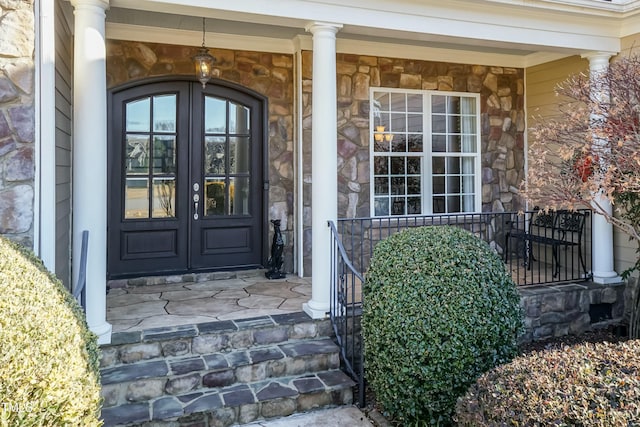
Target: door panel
pixel 150 244
pixel 227 166
pixel 148 159
pixel 186 168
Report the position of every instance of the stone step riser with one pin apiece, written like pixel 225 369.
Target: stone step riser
pixel 222 373
pixel 148 380
pixel 208 338
pixel 237 406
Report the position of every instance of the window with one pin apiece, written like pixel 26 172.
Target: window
pixel 425 152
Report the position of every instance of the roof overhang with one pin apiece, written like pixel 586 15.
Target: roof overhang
pixel 512 33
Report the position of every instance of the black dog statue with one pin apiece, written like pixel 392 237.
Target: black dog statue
pixel 275 262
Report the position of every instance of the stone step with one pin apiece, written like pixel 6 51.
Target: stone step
pixel 236 404
pixel 211 337
pixel 149 379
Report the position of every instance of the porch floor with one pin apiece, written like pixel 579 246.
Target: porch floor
pixel 166 301
pixel 143 303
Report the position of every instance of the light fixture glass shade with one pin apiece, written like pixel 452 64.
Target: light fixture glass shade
pixel 204 65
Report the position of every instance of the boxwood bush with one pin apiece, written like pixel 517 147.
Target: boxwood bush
pixel 583 385
pixel 439 310
pixel 48 358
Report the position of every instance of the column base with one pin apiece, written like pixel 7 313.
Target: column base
pixel 314 311
pixel 606 278
pixel 103 331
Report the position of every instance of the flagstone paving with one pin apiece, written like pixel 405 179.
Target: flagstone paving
pixel 143 303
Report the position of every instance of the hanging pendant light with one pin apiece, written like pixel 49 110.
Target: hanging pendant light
pixel 203 62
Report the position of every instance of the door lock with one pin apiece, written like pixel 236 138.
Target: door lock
pixel 196 199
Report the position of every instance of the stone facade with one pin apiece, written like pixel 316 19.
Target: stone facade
pixel 502 121
pixel 17 129
pixel 269 74
pixel 502 118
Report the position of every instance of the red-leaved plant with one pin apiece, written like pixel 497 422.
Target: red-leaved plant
pixel 590 152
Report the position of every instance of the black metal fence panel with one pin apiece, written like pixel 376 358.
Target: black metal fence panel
pixel 537 248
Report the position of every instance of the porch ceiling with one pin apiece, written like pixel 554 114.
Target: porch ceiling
pixel 516 33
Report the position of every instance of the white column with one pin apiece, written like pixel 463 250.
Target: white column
pixel 44 234
pixel 324 163
pixel 90 157
pixel 601 230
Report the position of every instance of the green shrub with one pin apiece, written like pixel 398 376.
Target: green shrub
pixel 439 310
pixel 48 358
pixel 584 385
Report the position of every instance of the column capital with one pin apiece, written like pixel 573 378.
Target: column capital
pixel 103 4
pixel 598 60
pixel 314 27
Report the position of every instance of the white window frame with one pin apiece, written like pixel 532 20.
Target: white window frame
pixel 426 155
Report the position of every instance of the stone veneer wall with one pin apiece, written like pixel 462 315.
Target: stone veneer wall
pixel 269 74
pixel 573 308
pixel 502 120
pixel 17 135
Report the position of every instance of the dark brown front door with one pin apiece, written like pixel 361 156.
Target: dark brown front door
pixel 186 179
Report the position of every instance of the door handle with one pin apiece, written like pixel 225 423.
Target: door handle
pixel 196 199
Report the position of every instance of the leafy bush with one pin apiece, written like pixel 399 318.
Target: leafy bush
pixel 48 358
pixel 584 385
pixel 440 309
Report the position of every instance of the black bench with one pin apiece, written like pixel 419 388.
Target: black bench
pixel 562 228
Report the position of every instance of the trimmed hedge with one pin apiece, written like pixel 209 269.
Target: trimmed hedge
pixel 439 310
pixel 584 385
pixel 48 358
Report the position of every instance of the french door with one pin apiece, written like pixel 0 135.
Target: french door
pixel 187 186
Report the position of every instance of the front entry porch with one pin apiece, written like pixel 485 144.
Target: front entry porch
pixel 168 301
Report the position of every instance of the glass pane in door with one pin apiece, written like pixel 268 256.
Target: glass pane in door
pixel 239 118
pixel 138 117
pixel 137 157
pixel 215 115
pixel 215 193
pixel 239 154
pixel 239 196
pixel 164 113
pixel 164 154
pixel 164 197
pixel 214 149
pixel 136 199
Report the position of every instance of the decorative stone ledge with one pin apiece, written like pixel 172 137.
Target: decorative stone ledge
pixel 556 310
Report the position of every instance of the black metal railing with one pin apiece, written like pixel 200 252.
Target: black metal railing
pixel 80 289
pixel 345 311
pixel 536 247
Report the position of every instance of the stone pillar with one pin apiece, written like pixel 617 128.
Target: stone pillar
pixel 90 157
pixel 601 230
pixel 324 163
